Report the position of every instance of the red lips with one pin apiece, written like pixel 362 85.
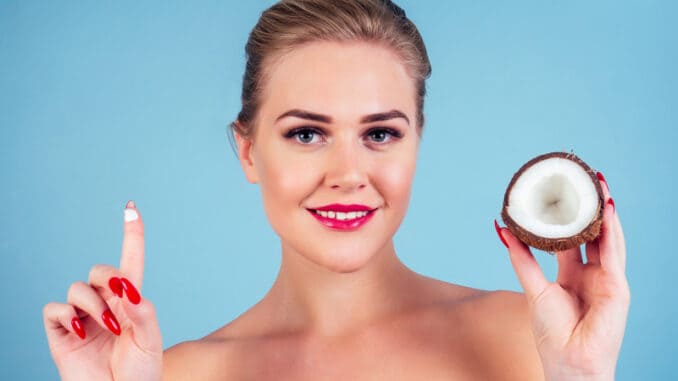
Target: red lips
pixel 345 208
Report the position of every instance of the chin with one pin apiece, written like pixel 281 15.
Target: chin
pixel 344 261
pixel 344 267
pixel 341 253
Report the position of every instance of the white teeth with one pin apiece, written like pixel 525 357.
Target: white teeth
pixel 341 216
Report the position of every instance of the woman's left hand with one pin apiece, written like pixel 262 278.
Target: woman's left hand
pixel 578 321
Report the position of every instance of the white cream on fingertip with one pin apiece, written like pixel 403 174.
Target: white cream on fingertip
pixel 131 215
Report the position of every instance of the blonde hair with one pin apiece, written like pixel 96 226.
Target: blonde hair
pixel 291 23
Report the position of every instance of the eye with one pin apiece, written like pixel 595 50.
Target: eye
pixel 304 135
pixel 382 135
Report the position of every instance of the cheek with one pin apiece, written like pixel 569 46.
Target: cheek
pixel 394 180
pixel 286 179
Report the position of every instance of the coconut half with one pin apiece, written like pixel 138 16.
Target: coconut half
pixel 554 202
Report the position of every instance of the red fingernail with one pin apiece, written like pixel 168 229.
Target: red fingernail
pixel 111 322
pixel 610 201
pixel 501 236
pixel 130 205
pixel 116 286
pixel 77 326
pixel 131 291
pixel 600 177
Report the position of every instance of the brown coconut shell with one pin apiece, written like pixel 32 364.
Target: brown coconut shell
pixel 553 245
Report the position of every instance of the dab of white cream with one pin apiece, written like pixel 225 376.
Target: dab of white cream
pixel 131 215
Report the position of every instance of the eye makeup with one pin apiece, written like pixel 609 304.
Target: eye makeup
pixel 305 135
pixel 383 135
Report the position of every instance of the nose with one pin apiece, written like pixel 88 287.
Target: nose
pixel 346 168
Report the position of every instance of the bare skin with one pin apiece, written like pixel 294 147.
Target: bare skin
pixel 428 330
pixel 343 305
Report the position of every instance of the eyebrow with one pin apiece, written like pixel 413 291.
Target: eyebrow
pixel 378 117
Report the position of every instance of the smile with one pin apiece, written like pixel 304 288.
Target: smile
pixel 343 217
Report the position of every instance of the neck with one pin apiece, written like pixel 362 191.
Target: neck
pixel 307 296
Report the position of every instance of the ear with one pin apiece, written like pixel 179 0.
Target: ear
pixel 245 146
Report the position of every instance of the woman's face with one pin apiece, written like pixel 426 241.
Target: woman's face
pixel 334 151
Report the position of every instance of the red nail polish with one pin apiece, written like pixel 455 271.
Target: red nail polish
pixel 501 236
pixel 77 326
pixel 115 286
pixel 610 201
pixel 131 291
pixel 111 322
pixel 600 177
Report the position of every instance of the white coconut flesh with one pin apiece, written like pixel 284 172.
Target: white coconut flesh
pixel 554 198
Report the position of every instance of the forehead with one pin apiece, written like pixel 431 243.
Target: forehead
pixel 345 80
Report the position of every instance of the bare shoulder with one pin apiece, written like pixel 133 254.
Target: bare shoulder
pixel 503 315
pixel 196 359
pixel 500 328
pixel 507 307
pixel 174 361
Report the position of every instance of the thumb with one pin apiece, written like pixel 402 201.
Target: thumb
pixel 145 326
pixel 525 266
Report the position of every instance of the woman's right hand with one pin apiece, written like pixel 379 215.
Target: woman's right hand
pixel 106 330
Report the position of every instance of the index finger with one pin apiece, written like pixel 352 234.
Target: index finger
pixel 132 257
pixel 527 269
pixel 613 248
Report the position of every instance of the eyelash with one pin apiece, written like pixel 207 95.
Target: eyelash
pixel 295 132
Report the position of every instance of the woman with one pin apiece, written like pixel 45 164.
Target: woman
pixel 332 116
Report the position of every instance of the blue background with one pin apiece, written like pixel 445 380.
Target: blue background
pixel 101 102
